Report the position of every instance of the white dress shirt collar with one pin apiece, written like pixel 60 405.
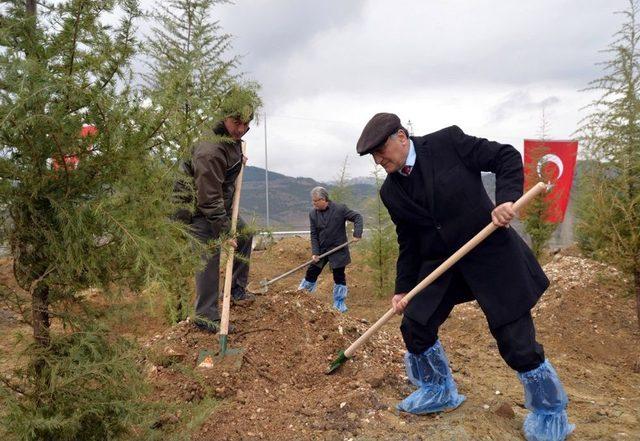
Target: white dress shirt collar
pixel 411 157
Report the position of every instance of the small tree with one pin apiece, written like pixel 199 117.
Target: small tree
pixel 80 212
pixel 381 245
pixel 609 209
pixel 340 191
pixel 536 222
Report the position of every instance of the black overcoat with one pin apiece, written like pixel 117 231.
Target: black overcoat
pixel 329 231
pixel 501 272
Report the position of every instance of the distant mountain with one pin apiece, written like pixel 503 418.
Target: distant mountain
pixel 290 202
pixel 289 198
pixel 357 180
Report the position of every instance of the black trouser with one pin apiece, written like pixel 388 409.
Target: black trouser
pixel 314 270
pixel 516 340
pixel 207 280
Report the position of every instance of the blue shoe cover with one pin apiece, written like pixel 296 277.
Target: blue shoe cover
pixel 431 373
pixel 546 399
pixel 309 286
pixel 339 296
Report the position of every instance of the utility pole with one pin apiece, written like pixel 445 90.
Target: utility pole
pixel 410 125
pixel 266 168
pixel 31 6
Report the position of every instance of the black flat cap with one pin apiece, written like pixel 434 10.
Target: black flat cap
pixel 376 132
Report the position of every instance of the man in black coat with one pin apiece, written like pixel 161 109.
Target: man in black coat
pixel 327 231
pixel 436 199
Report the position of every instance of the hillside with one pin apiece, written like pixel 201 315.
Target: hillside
pixel 289 200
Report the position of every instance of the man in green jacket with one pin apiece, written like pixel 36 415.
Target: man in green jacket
pixel 216 162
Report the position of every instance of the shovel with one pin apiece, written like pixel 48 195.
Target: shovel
pixel 343 356
pixel 231 357
pixel 264 283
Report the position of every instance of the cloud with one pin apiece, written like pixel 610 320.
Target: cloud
pixel 271 31
pixel 518 101
pixel 489 66
pixel 297 50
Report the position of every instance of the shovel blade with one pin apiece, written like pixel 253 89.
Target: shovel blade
pixel 225 358
pixel 231 360
pixel 335 364
pixel 206 359
pixel 264 286
pixel 259 288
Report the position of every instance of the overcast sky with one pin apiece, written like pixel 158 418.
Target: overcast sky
pixel 488 66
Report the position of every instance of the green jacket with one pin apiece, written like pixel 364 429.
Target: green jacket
pixel 216 162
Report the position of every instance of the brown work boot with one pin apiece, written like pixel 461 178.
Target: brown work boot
pixel 242 298
pixel 211 326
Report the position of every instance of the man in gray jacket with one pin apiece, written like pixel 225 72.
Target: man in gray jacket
pixel 327 225
pixel 216 162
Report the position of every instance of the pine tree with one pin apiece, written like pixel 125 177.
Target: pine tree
pixel 536 224
pixel 194 81
pixel 189 74
pixel 80 212
pixel 609 208
pixel 381 245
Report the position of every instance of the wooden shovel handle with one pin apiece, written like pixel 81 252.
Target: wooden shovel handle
pixel 226 299
pixel 473 242
pixel 307 263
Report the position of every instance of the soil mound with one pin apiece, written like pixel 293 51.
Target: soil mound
pixel 281 390
pixel 586 325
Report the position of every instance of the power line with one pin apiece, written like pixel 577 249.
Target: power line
pixel 312 119
pixel 493 136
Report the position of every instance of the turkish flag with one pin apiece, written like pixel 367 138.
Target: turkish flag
pixel 552 162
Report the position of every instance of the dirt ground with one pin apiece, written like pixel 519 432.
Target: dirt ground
pixel 584 321
pixel 587 327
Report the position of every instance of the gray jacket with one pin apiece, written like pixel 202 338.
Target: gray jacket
pixel 328 231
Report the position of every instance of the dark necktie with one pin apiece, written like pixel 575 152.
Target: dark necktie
pixel 406 170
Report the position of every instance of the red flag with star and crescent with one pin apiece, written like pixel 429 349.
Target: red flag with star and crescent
pixel 552 162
